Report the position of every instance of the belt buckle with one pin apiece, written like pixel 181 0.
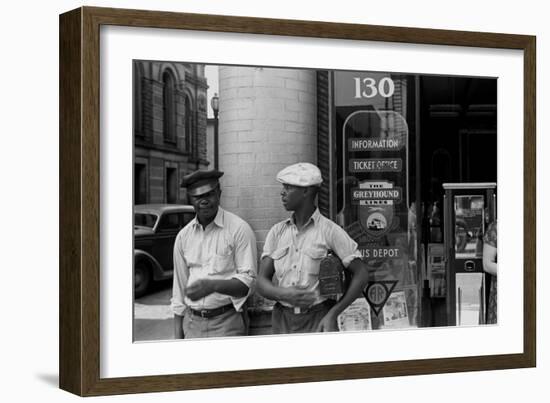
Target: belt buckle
pixel 204 313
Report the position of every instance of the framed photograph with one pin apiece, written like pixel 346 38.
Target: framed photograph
pixel 249 201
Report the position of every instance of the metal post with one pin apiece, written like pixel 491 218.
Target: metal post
pixel 216 143
pixel 215 104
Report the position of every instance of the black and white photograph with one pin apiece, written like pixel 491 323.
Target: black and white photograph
pixel 274 200
pixel 266 202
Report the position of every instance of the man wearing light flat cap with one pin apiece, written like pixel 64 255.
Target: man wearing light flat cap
pixel 293 252
pixel 214 265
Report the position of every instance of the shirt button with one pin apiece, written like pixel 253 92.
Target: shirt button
pixel 296 250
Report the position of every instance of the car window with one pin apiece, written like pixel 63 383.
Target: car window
pixel 186 217
pixel 145 220
pixel 169 222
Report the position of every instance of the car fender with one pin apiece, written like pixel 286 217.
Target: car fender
pixel 158 272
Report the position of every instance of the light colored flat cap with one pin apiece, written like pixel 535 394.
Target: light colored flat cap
pixel 301 174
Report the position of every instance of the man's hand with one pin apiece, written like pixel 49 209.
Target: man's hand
pixel 299 296
pixel 328 323
pixel 199 289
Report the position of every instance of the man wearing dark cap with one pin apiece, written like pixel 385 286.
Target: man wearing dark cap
pixel 214 265
pixel 293 252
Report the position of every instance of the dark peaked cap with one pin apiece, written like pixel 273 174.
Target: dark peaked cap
pixel 200 182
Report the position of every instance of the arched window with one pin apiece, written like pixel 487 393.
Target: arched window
pixel 189 126
pixel 169 107
pixel 138 125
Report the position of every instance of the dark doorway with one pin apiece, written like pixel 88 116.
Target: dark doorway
pixel 171 185
pixel 140 184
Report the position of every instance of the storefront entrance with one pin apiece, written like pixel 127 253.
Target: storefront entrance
pixel 444 130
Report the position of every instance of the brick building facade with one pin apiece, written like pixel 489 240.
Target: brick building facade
pixel 170 119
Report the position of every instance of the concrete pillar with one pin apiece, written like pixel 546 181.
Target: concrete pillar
pixel 267 121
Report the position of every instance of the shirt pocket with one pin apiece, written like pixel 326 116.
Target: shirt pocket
pixel 280 261
pixel 312 260
pixel 222 261
pixel 192 258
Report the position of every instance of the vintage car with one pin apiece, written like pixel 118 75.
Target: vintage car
pixel 155 230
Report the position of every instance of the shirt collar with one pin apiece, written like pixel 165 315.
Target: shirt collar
pixel 218 220
pixel 314 218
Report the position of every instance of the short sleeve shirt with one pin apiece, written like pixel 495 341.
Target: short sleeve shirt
pixel 297 254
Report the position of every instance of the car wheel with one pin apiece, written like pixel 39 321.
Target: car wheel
pixel 142 279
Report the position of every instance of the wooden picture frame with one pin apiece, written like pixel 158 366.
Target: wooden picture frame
pixel 79 200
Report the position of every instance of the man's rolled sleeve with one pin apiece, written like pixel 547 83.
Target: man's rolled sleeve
pixel 342 244
pixel 245 263
pixel 179 280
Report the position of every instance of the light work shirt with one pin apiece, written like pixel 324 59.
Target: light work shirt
pixel 297 254
pixel 224 250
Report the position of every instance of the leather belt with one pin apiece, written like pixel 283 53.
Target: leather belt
pixel 210 313
pixel 328 303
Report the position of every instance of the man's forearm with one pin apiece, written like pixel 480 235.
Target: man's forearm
pixel 232 287
pixel 489 259
pixel 358 282
pixel 490 267
pixel 268 290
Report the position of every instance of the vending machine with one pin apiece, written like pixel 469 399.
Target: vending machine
pixel 468 210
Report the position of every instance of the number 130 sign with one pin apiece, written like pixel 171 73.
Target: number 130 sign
pixel 369 87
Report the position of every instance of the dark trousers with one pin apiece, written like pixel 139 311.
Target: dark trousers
pixel 284 320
